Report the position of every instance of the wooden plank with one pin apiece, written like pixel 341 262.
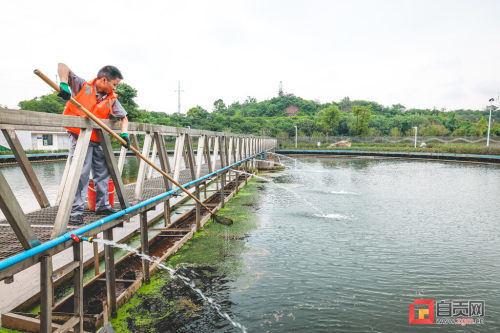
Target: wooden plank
pixel 23 323
pixel 135 143
pixel 224 163
pixel 96 258
pixel 61 271
pixel 179 229
pixel 28 120
pixel 144 245
pixel 109 260
pixel 31 118
pixel 26 168
pixel 199 155
pixel 225 150
pixel 221 176
pixel 247 163
pixel 172 236
pixel 178 154
pixel 184 155
pixel 15 215
pixel 67 326
pixel 114 172
pixel 117 280
pixel 216 152
pixel 69 192
pixel 208 160
pixel 141 174
pixel 153 159
pixel 121 159
pixel 46 294
pixel 240 149
pixel 78 288
pixel 165 166
pixel 60 190
pixel 231 156
pixel 160 142
pixel 190 154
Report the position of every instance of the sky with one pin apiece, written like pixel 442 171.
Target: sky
pixel 419 53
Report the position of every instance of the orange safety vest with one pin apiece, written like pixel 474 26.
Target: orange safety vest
pixel 87 98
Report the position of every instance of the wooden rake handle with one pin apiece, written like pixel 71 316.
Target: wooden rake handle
pixel 117 137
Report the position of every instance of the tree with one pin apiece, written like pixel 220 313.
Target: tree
pixel 345 104
pixel 398 108
pixel 50 103
pixel 362 114
pixel 306 125
pixel 197 115
pixel 481 127
pixel 329 118
pixel 395 132
pixel 219 106
pixel 434 130
pixel 250 99
pixel 126 95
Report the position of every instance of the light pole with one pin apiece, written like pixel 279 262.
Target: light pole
pixel 416 129
pixel 295 136
pixel 489 123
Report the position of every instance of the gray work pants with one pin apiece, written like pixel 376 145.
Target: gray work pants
pixel 100 174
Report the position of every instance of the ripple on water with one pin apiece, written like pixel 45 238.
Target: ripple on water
pixel 332 216
pixel 343 192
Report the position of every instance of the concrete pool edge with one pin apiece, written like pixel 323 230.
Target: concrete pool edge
pixel 421 155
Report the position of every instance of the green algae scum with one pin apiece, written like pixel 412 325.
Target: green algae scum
pixel 211 259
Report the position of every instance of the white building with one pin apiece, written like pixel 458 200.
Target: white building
pixel 40 140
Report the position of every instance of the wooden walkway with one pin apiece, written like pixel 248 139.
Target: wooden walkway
pixel 42 221
pixel 20 231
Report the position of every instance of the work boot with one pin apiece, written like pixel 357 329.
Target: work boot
pixel 76 219
pixel 105 211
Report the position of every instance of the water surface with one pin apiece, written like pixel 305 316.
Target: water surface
pixel 384 233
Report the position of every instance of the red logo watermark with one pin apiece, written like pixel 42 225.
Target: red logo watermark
pixel 458 312
pixel 424 314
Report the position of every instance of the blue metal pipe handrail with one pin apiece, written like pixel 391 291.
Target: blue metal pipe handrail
pixel 67 236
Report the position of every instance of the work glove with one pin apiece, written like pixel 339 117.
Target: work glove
pixel 125 137
pixel 64 93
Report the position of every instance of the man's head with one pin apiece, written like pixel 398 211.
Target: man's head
pixel 108 78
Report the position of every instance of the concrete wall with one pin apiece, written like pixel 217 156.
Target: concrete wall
pixel 34 140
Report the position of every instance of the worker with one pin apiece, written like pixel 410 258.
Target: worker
pixel 98 97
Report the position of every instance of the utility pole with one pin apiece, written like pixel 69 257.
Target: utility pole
pixel 280 92
pixel 295 136
pixel 489 122
pixel 178 91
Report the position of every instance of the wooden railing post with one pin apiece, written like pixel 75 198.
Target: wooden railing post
pixel 78 284
pixel 144 245
pixel 46 294
pixel 109 261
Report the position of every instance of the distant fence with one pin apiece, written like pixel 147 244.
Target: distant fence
pixel 390 139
